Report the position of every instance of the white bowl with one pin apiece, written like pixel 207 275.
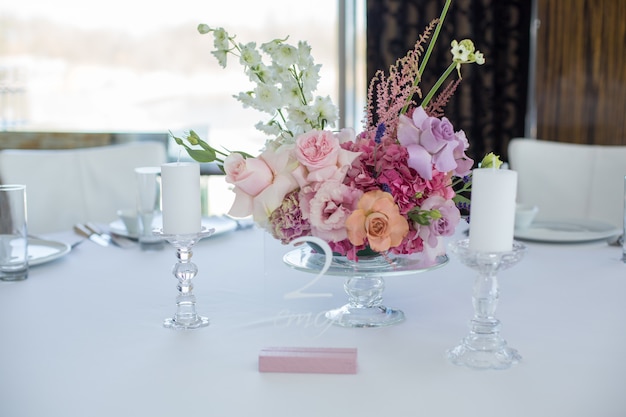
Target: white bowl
pixel 524 215
pixel 130 220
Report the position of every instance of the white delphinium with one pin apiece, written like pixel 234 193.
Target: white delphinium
pixel 269 128
pixel 271 46
pixel 221 43
pixel 267 98
pixel 285 55
pixel 247 99
pixel 284 88
pixel 297 116
pixel 323 111
pixel 248 55
pixel 291 94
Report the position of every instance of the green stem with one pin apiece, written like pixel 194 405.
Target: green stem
pixel 429 51
pixel 440 81
pixel 431 45
pixel 218 151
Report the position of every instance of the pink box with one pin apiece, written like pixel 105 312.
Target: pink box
pixel 308 360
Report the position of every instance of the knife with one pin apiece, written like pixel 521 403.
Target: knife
pixel 96 230
pixel 110 238
pixel 94 237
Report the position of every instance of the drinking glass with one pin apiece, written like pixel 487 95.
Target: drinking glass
pixel 13 233
pixel 147 199
pixel 624 224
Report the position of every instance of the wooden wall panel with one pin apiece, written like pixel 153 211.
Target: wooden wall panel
pixel 580 85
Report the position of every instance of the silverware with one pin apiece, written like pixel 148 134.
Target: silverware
pixel 78 242
pixel 110 237
pixel 82 230
pixel 122 241
pixel 96 230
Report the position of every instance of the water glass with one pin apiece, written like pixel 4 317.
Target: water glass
pixel 147 201
pixel 624 228
pixel 13 233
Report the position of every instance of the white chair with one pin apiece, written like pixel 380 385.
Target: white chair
pixel 567 180
pixel 64 187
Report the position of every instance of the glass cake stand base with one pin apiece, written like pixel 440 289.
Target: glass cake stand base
pixel 350 316
pixel 363 283
pixel 174 323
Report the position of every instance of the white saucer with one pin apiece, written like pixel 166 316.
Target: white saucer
pixel 221 224
pixel 41 251
pixel 567 231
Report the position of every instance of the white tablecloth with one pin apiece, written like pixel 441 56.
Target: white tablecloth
pixel 82 336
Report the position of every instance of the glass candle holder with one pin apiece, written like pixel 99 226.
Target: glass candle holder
pixel 484 347
pixel 184 271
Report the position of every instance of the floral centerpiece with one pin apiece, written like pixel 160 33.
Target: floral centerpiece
pixel 395 187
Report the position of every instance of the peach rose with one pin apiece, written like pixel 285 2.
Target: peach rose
pixel 377 221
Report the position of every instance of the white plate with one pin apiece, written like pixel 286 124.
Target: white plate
pixel 221 224
pixel 41 251
pixel 567 231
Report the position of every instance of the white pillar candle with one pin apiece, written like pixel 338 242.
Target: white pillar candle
pixel 180 183
pixel 492 210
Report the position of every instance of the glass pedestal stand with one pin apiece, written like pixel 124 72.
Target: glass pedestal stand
pixel 364 286
pixel 184 271
pixel 483 347
pixel 363 282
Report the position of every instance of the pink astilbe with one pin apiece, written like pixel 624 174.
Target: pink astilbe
pixel 388 95
pixel 436 106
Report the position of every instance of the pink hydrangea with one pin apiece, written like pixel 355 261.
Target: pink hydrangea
pixel 440 185
pixel 412 243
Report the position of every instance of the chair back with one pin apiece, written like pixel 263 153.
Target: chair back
pixel 572 181
pixel 64 187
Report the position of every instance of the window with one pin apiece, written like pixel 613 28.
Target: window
pixel 138 65
pixel 141 66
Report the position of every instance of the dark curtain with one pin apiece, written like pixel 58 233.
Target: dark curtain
pixel 490 103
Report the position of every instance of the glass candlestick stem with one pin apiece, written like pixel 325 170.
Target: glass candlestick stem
pixel 184 271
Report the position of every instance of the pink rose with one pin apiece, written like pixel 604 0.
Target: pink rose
pixel 317 149
pixel 464 163
pixel 443 226
pixel 261 183
pixel 321 157
pixel 328 208
pixel 251 175
pixel 433 141
pixel 419 158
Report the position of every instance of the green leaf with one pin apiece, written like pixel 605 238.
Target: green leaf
pixel 201 155
pixel 460 199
